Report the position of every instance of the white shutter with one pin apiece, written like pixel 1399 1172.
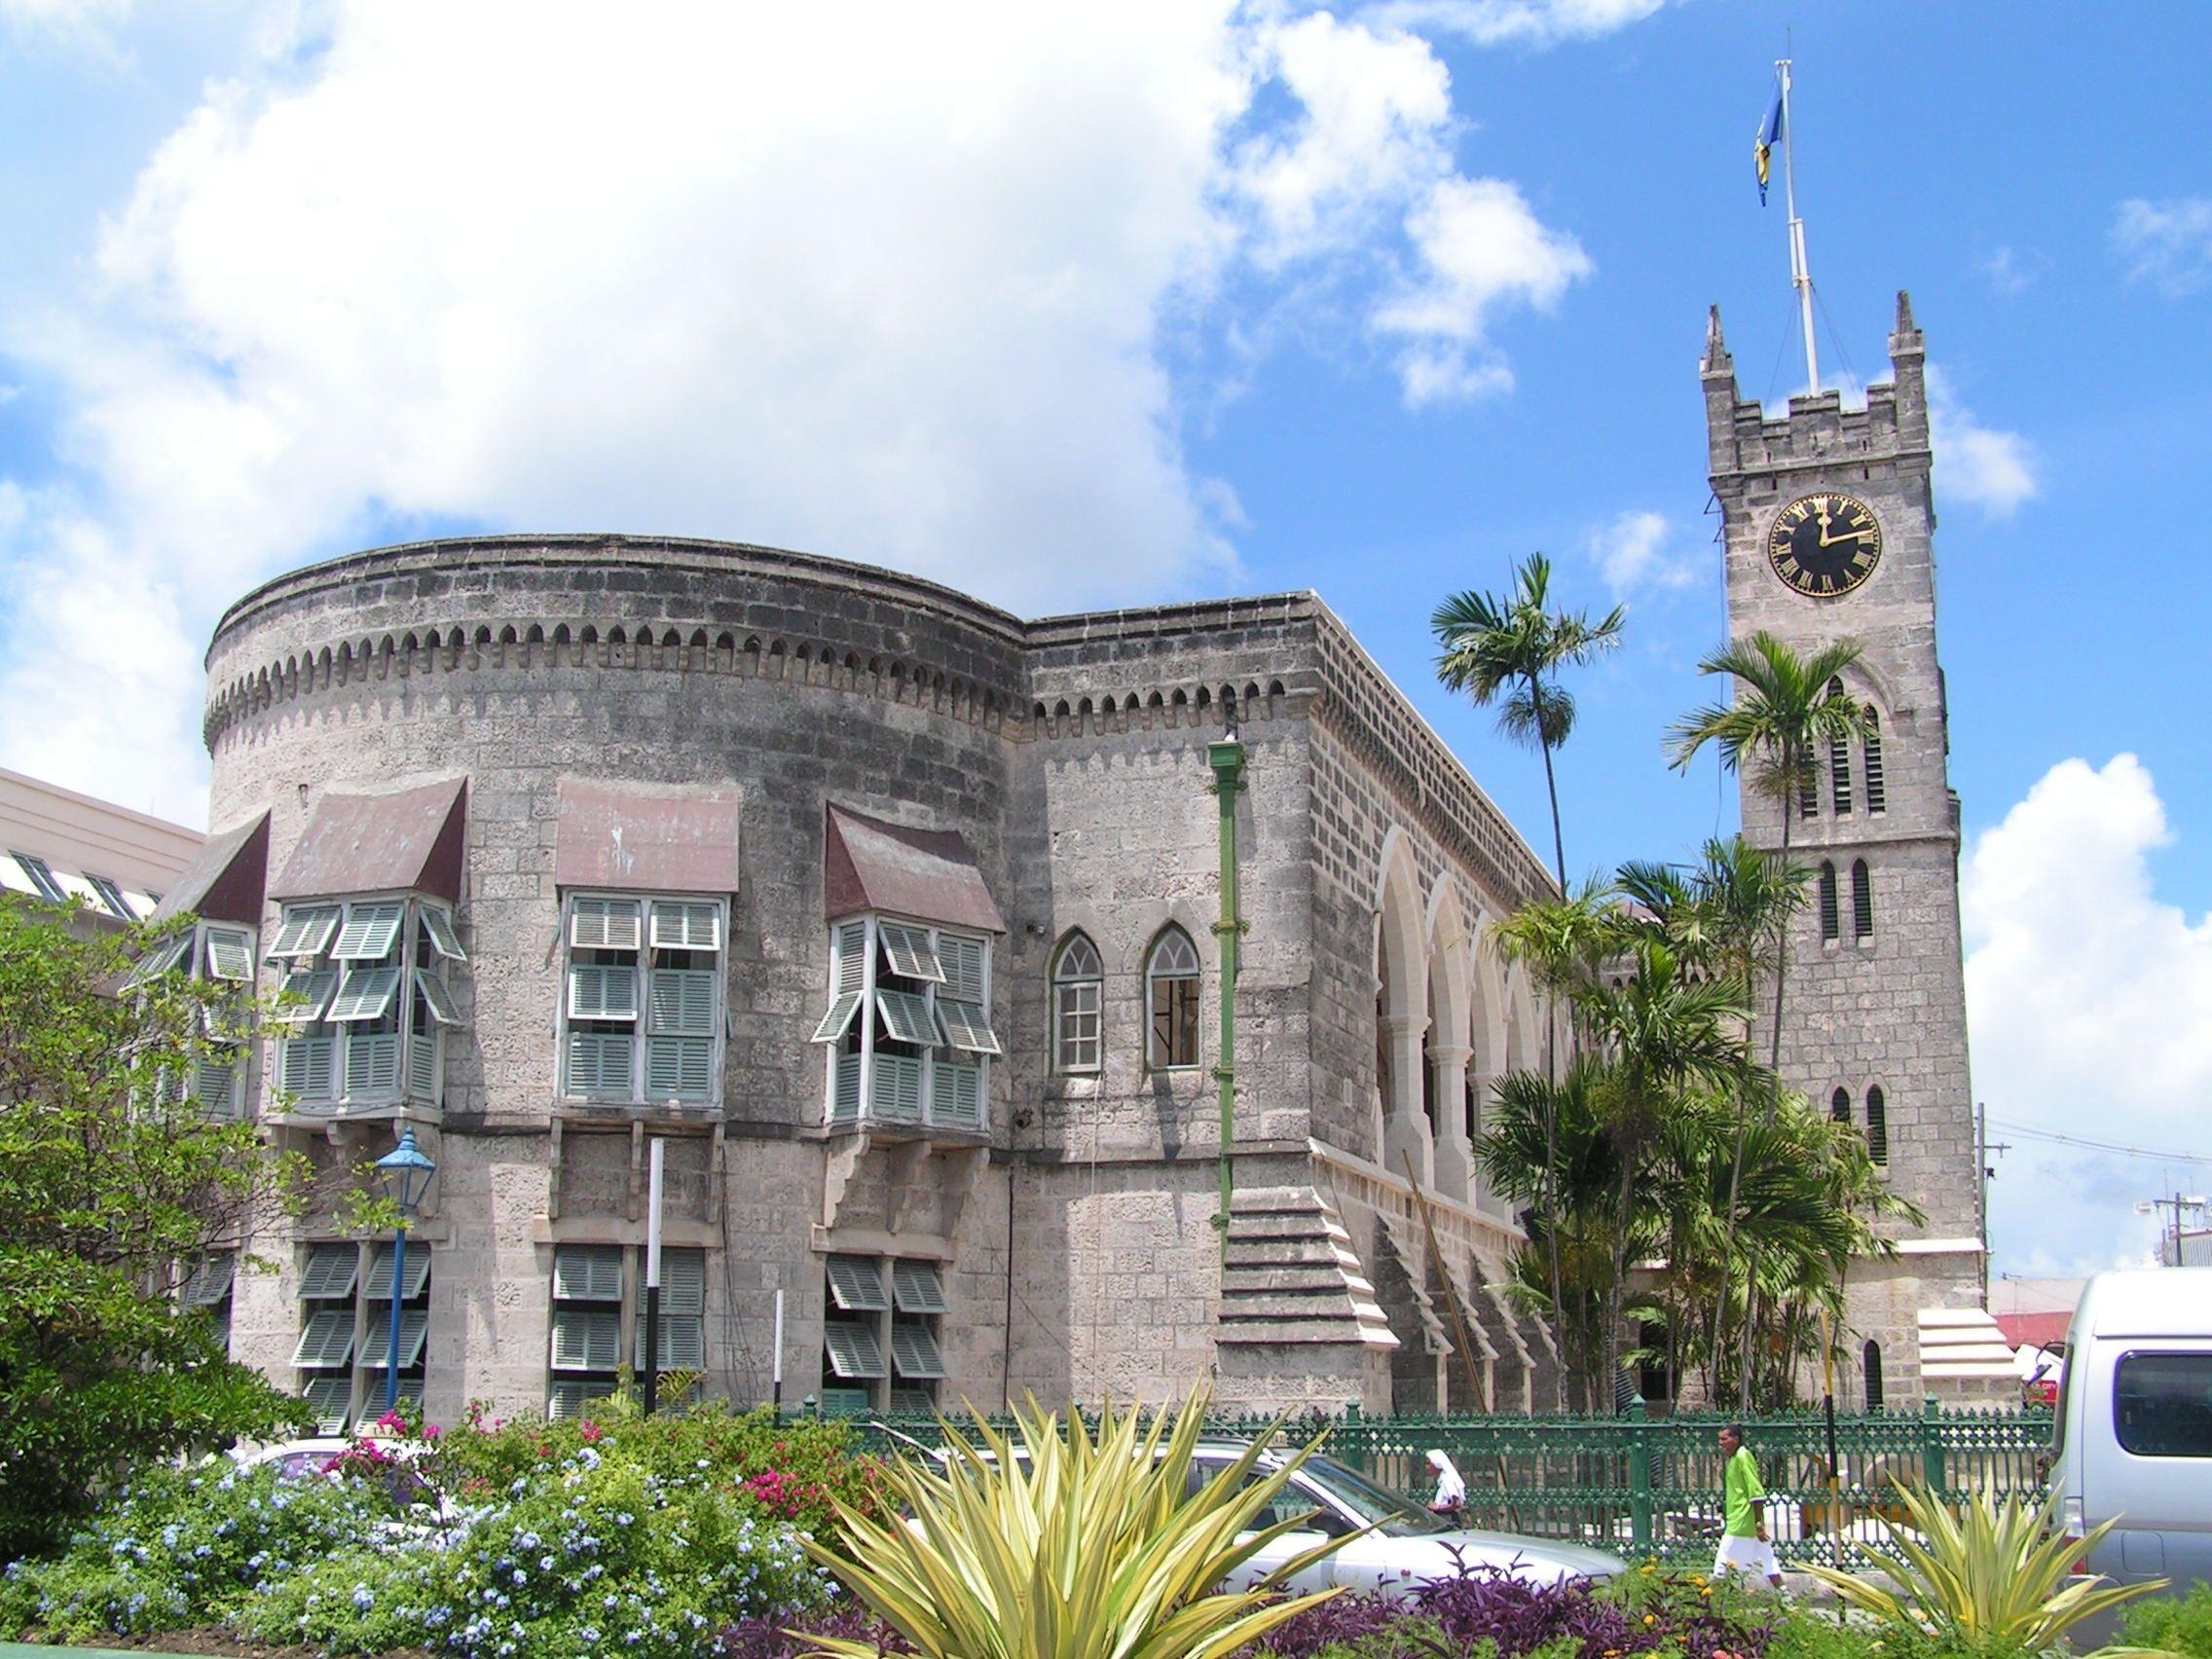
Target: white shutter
pixel 326 1342
pixel 963 960
pixel 423 1067
pixel 599 1065
pixel 304 996
pixel 683 1342
pixel 372 1064
pixel 330 1272
pixel 917 1286
pixel 908 950
pixel 897 1086
pixel 681 1002
pixel 966 1028
pixel 913 1350
pixel 603 991
pixel 682 1281
pixel 683 925
pixel 305 932
pixel 370 931
pixel 159 961
pixel 437 926
pixel 956 1094
pixel 679 1068
pixel 838 1020
pixel 210 1280
pixel 856 1284
pixel 230 954
pixel 604 924
pixel 377 1287
pixel 366 994
pixel 587 1273
pixel 571 1395
pixel 215 1086
pixel 306 1067
pixel 848 957
pixel 586 1339
pixel 435 997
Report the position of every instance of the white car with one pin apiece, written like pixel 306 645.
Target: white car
pixel 1409 1546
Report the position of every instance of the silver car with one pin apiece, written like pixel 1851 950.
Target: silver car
pixel 1408 1547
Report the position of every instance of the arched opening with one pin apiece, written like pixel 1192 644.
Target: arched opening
pixel 1839 1106
pixel 1839 760
pixel 1877 787
pixel 1861 900
pixel 1870 1366
pixel 1079 984
pixel 1831 922
pixel 1877 1125
pixel 1172 994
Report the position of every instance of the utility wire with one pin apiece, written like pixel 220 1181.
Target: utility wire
pixel 2025 1132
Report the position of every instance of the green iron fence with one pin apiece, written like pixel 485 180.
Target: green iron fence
pixel 1650 1487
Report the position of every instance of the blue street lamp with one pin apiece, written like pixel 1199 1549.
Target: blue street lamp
pixel 406 1176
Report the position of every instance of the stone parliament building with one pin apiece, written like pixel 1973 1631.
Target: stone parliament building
pixel 893 916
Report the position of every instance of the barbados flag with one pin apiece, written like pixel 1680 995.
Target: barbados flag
pixel 1764 141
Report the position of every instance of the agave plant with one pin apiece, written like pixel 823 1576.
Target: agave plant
pixel 1984 1571
pixel 1070 1546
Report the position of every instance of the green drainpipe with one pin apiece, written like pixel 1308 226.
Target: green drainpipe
pixel 1226 759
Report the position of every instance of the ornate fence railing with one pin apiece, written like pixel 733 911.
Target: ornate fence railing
pixel 1650 1487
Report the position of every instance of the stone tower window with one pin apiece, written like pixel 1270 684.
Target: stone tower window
pixel 1809 792
pixel 1861 900
pixel 1839 1106
pixel 1870 1370
pixel 1171 992
pixel 1832 924
pixel 1877 790
pixel 1839 762
pixel 1079 982
pixel 1877 1125
pixel 641 997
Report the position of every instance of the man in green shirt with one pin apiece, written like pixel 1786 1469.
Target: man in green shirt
pixel 1744 1545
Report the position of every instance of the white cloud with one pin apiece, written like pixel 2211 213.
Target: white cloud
pixel 75 22
pixel 2090 1002
pixel 2010 272
pixel 2167 243
pixel 1523 22
pixel 893 292
pixel 1988 468
pixel 1634 555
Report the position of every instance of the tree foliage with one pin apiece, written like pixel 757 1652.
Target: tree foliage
pixel 111 1189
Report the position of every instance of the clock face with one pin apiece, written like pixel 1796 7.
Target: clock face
pixel 1824 545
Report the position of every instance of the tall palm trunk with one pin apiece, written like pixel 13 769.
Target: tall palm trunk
pixel 1551 1020
pixel 1789 803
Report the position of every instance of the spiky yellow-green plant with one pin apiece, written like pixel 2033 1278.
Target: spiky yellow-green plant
pixel 1072 1546
pixel 1985 1570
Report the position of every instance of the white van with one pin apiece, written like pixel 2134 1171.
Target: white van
pixel 2135 1424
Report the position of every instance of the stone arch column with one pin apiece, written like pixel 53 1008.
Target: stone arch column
pixel 1405 1126
pixel 1453 1157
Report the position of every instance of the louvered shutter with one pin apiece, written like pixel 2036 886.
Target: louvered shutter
pixel 963 960
pixel 683 1342
pixel 586 1339
pixel 571 1395
pixel 159 961
pixel 370 931
pixel 897 1085
pixel 230 954
pixel 846 1402
pixel 854 1350
pixel 414 1328
pixel 305 932
pixel 913 1401
pixel 848 957
pixel 966 1028
pixel 210 1280
pixel 437 926
pixel 604 924
pixel 908 950
pixel 377 1287
pixel 600 1064
pixel 917 1287
pixel 366 994
pixel 422 1068
pixel 681 1002
pixel 603 991
pixel 914 1350
pixel 836 1023
pixel 956 1094
pixel 302 997
pixel 906 1017
pixel 845 1091
pixel 215 1086
pixel 372 1065
pixel 329 1273
pixel 682 1281
pixel 856 1284
pixel 331 1399
pixel 437 998
pixel 681 925
pixel 679 1068
pixel 587 1273
pixel 306 1065
pixel 326 1341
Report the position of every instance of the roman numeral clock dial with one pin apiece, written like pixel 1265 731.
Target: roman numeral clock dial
pixel 1824 545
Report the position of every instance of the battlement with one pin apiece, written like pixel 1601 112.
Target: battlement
pixel 1818 432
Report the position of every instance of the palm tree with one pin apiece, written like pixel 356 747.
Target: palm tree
pixel 1514 645
pixel 1786 711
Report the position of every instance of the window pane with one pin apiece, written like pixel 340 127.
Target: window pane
pixel 1078 960
pixel 1173 955
pixel 2161 1404
pixel 1174 1023
pixel 1076 1029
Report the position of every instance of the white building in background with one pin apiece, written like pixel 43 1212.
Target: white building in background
pixel 59 845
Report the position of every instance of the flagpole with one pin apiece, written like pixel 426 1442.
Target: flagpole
pixel 1801 272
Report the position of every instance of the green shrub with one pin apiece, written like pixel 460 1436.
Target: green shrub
pixel 2180 1625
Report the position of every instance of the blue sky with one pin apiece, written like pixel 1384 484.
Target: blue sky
pixel 1164 300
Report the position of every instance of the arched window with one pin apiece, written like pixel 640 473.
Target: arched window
pixel 1877 1125
pixel 1171 992
pixel 1832 924
pixel 1877 790
pixel 1839 1106
pixel 1861 900
pixel 1870 1365
pixel 1839 760
pixel 1077 991
pixel 1809 792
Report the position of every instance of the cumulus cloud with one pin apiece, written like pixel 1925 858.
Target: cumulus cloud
pixel 1523 22
pixel 2010 272
pixel 1990 469
pixel 893 293
pixel 2089 1004
pixel 1635 554
pixel 2165 244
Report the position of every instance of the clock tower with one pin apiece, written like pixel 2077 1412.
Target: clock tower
pixel 1829 528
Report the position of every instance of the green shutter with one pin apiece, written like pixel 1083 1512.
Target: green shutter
pixel 966 1028
pixel 436 997
pixel 682 1281
pixel 366 994
pixel 377 1287
pixel 603 991
pixel 210 1280
pixel 331 1398
pixel 679 1068
pixel 848 957
pixel 330 1272
pixel 853 1349
pixel 599 1065
pixel 215 1086
pixel 326 1341
pixel 158 961
pixel 856 1284
pixel 839 1017
pixel 370 931
pixel 305 932
pixel 963 960
pixel 913 1350
pixel 906 1017
pixel 372 1064
pixel 586 1339
pixel 437 928
pixel 896 1088
pixel 845 1090
pixel 414 1329
pixel 423 1067
pixel 681 1002
pixel 230 954
pixel 917 1287
pixel 908 950
pixel 304 996
pixel 306 1067
pixel 956 1094
pixel 587 1273
pixel 570 1396
pixel 683 1341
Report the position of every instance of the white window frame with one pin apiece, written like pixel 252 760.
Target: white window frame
pixel 589 913
pixel 1068 1000
pixel 206 954
pixel 861 1003
pixel 325 1037
pixel 1194 978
